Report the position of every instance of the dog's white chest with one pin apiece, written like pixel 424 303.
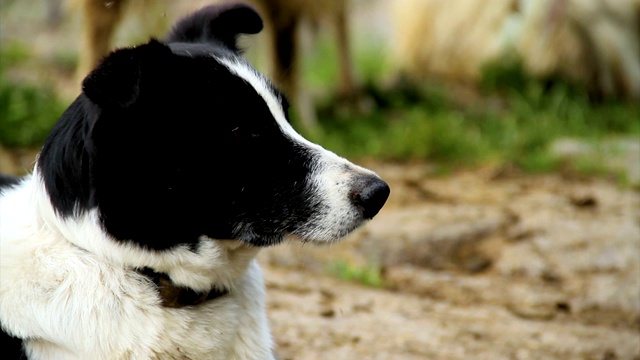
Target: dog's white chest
pixel 120 318
pixel 72 304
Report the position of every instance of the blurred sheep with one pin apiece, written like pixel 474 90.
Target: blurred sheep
pixel 595 42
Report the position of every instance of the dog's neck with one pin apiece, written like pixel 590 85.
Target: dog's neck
pixel 207 265
pixel 174 296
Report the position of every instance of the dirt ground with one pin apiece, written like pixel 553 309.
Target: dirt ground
pixel 478 264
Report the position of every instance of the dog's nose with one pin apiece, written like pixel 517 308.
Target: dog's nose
pixel 369 193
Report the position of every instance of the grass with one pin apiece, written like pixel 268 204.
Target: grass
pixel 27 114
pixel 427 122
pixel 27 110
pixel 519 134
pixel 369 275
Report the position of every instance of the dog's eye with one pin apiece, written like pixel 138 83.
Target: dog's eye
pixel 239 133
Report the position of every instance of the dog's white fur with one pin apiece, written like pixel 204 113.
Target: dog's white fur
pixel 73 293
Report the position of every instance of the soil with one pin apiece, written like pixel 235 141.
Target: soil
pixel 480 264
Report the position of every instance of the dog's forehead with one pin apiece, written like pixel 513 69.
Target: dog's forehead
pixel 271 96
pixel 239 67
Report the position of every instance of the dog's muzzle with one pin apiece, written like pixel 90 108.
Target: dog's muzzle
pixel 369 193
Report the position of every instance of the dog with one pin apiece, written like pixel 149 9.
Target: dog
pixel 136 234
pixel 283 20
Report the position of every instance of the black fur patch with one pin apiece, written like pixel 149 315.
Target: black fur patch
pixel 11 347
pixel 8 181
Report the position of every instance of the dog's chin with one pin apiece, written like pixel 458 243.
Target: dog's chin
pixel 315 239
pixel 318 236
pixel 319 232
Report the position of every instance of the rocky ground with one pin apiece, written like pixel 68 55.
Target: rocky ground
pixel 475 265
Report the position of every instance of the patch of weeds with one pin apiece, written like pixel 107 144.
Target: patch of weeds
pixel 538 162
pixel 27 114
pixel 444 137
pixel 65 61
pixel 14 53
pixel 27 111
pixel 404 130
pixel 369 275
pixel 590 167
pixel 320 67
pixel 411 121
pixel 370 63
pixel 507 73
pixel 597 167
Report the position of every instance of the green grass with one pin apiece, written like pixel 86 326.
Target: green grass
pixel 369 275
pixel 27 113
pixel 13 53
pixel 425 122
pixel 27 110
pixel 519 134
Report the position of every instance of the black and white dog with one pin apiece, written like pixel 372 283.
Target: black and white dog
pixel 136 235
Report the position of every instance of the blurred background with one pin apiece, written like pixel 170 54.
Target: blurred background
pixel 509 131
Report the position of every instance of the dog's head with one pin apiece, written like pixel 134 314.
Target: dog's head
pixel 176 139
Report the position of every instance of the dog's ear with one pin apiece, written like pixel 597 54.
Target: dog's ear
pixel 217 23
pixel 117 80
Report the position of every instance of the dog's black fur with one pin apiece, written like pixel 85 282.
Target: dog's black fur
pixel 7 181
pixel 11 347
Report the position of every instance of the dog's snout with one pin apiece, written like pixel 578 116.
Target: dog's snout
pixel 370 193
